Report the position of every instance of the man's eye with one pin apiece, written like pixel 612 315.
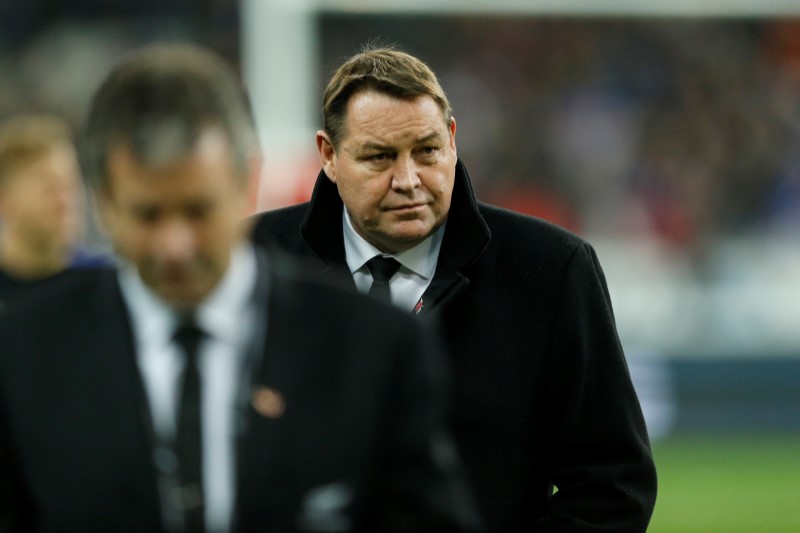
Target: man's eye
pixel 198 211
pixel 428 151
pixel 147 215
pixel 379 157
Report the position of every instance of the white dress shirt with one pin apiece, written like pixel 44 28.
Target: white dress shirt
pixel 226 317
pixel 417 264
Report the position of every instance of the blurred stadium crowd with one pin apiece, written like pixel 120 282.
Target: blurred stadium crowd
pixel 682 130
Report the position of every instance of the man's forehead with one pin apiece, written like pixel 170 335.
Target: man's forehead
pixel 372 102
pixel 381 119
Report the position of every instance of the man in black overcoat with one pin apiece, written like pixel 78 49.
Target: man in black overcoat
pixel 546 417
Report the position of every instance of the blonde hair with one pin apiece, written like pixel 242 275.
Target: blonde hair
pixel 24 138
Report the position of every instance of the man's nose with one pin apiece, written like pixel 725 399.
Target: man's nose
pixel 404 176
pixel 174 241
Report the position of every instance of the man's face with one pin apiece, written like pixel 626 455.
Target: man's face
pixel 394 168
pixel 177 222
pixel 41 200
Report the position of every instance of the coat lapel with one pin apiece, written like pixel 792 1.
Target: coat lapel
pixel 114 352
pixel 444 288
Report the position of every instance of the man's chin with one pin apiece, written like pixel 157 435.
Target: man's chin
pixel 180 297
pixel 411 231
pixel 400 241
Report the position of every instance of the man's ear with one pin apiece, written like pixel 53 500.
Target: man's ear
pixel 453 135
pixel 327 155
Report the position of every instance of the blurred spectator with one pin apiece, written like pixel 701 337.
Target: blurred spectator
pixel 40 203
pixel 681 130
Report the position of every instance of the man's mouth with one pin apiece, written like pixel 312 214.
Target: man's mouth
pixel 407 207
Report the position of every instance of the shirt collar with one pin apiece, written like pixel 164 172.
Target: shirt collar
pixel 421 259
pixel 222 312
pixel 219 314
pixel 152 320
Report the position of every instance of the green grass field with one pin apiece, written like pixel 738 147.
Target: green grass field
pixel 728 484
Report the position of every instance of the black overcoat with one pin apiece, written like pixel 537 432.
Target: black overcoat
pixel 543 394
pixel 358 445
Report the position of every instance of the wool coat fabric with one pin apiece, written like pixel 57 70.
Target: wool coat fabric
pixel 357 445
pixel 546 417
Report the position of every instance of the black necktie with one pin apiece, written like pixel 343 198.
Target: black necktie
pixel 382 270
pixel 188 438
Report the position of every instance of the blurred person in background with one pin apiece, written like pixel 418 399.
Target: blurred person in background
pixel 204 385
pixel 546 417
pixel 41 203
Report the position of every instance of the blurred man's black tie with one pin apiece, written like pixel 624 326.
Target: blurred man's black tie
pixel 188 438
pixel 382 270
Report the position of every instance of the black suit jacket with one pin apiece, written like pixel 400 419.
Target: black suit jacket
pixel 361 428
pixel 543 394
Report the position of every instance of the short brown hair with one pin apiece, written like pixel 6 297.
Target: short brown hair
pixel 158 100
pixel 384 70
pixel 24 138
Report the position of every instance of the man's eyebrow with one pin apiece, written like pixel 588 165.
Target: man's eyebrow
pixel 372 146
pixel 431 136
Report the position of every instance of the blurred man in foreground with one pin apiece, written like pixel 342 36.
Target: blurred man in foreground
pixel 544 400
pixel 204 385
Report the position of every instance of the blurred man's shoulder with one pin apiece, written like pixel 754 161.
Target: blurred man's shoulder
pixel 328 287
pixel 278 225
pixel 303 272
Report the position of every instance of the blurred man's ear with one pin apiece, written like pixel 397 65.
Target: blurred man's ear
pixel 94 213
pixel 326 155
pixel 104 208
